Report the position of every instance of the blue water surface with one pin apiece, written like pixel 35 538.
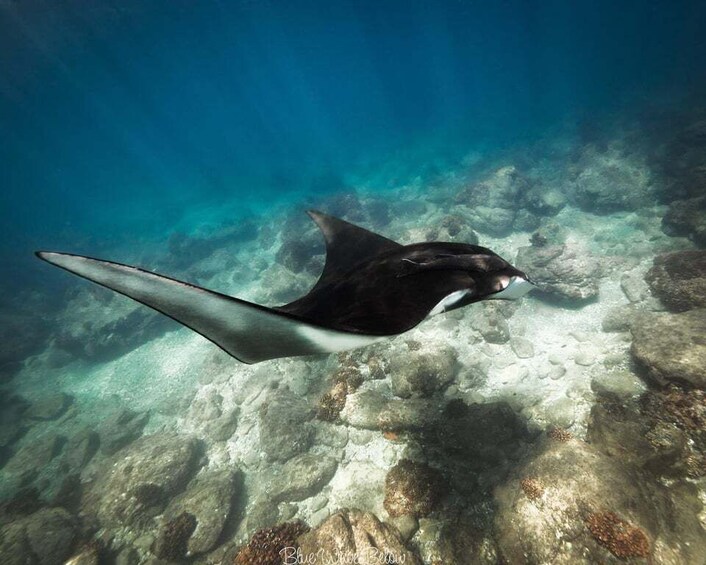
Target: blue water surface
pixel 118 117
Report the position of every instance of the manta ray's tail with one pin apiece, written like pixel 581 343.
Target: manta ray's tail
pixel 247 331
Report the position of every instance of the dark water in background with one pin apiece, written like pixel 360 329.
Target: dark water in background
pixel 117 116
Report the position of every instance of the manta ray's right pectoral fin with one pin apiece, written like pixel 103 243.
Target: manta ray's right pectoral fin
pixel 249 332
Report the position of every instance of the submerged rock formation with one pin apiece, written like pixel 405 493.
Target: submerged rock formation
pixel 412 488
pixel 672 347
pixel 207 499
pixel 136 484
pixel 593 509
pixel 679 279
pixel 495 204
pixel 353 536
pixel 687 218
pixel 565 272
pixel 45 537
pixel 610 180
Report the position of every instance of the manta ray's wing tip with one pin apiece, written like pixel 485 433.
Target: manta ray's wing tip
pixel 45 255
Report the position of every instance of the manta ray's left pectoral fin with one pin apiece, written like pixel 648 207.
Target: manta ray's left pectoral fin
pixel 249 332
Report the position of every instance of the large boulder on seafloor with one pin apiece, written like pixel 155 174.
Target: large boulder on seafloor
pixel 544 202
pixel 422 374
pixel 373 410
pixel 45 537
pixel 564 272
pixel 664 432
pixel 679 279
pixel 208 499
pixel 672 347
pixel 120 427
pixel 352 536
pixel 570 504
pixel 49 407
pixel 285 428
pixel 687 218
pixel 610 180
pixel 135 485
pixel 494 202
pixel 412 489
pixel 301 477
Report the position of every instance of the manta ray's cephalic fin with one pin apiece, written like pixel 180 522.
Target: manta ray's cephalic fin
pixel 249 332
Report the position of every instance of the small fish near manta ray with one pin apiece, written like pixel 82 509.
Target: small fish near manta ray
pixel 371 288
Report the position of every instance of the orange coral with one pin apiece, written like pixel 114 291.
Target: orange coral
pixel 559 434
pixel 621 538
pixel 532 488
pixel 266 545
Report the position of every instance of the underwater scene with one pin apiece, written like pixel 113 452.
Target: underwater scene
pixel 416 282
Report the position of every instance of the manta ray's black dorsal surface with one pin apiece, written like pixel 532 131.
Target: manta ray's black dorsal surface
pixel 371 287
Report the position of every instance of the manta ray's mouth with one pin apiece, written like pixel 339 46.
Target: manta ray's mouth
pixel 512 288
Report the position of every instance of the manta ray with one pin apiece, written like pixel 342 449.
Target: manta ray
pixel 371 288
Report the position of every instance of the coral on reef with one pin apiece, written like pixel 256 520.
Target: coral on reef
pixel 560 434
pixel 345 381
pixel 621 538
pixel 532 487
pixel 266 546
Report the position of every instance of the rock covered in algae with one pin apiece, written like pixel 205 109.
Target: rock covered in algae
pixel 422 374
pixel 207 499
pixel 497 203
pixel 594 509
pixel 687 218
pixel 136 483
pixel 119 428
pixel 301 477
pixel 672 347
pixel 663 432
pixel 373 410
pixel 172 542
pixel 45 537
pixel 412 488
pixel 679 279
pixel 353 536
pixel 285 430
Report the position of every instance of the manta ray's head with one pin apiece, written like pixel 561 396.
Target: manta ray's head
pixel 498 279
pixel 511 285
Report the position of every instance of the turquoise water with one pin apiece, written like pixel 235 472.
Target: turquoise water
pixel 190 138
